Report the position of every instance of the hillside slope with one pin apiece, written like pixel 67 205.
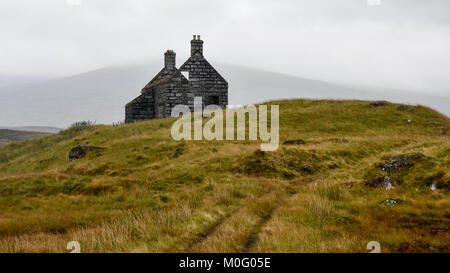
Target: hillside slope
pixel 148 193
pixel 101 95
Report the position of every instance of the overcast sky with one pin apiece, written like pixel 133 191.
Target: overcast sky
pixel 399 44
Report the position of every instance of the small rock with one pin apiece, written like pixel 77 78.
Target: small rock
pixel 178 152
pixel 81 151
pixel 433 187
pixel 391 202
pixel 387 183
pixel 378 104
pixel 342 140
pixel 294 142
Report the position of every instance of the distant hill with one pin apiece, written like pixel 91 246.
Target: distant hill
pixel 7 136
pixel 101 95
pixel 37 129
pixel 346 173
pixel 11 80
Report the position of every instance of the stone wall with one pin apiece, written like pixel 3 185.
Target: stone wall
pixel 141 108
pixel 171 94
pixel 158 99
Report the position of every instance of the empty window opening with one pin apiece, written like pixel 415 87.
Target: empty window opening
pixel 213 100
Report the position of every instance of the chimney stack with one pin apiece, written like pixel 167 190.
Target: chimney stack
pixel 169 59
pixel 196 45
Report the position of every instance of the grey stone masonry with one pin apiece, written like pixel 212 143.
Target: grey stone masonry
pixel 169 59
pixel 170 88
pixel 196 45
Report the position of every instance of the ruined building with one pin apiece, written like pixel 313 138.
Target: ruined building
pixel 170 87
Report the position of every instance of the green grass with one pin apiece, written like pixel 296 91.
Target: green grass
pixel 228 196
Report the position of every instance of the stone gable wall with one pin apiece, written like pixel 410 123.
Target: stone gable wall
pixel 205 81
pixel 158 101
pixel 173 93
pixel 141 108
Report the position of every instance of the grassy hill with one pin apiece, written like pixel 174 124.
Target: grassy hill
pixel 148 193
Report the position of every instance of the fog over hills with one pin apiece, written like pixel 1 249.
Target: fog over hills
pixel 36 129
pixel 9 80
pixel 7 136
pixel 101 95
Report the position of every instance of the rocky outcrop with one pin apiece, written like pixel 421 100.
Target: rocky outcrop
pixel 396 163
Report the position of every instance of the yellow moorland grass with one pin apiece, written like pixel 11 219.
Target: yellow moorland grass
pixel 148 193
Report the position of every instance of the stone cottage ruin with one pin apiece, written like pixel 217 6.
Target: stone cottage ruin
pixel 170 87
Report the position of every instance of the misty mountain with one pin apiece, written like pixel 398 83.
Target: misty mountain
pixel 7 136
pixel 9 80
pixel 101 95
pixel 36 129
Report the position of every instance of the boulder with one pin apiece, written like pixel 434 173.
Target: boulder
pixel 433 187
pixel 294 142
pixel 390 202
pixel 81 151
pixel 387 183
pixel 378 104
pixel 178 152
